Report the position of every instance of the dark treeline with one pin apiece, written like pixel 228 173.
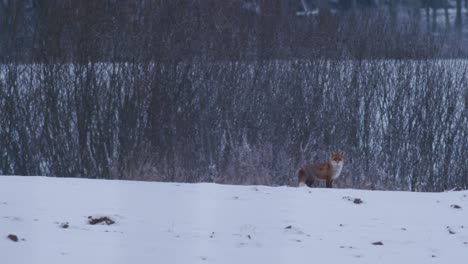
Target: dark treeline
pixel 233 91
pixel 175 30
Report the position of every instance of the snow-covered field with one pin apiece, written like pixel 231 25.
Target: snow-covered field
pixel 210 223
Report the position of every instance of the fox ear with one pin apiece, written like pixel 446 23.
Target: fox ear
pixel 342 153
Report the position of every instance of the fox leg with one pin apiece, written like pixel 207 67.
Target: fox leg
pixel 301 177
pixel 310 181
pixel 329 183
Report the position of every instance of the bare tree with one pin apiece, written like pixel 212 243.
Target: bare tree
pixel 446 13
pixel 458 18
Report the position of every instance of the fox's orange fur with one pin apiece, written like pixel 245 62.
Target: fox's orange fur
pixel 328 171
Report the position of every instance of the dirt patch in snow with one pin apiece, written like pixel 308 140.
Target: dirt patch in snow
pixel 354 200
pixel 12 237
pixel 100 220
pixel 450 230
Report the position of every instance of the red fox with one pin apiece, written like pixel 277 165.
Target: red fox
pixel 328 171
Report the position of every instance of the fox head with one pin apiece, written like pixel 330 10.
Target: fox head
pixel 337 157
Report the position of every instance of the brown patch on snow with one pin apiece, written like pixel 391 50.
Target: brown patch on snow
pixel 100 220
pixel 12 237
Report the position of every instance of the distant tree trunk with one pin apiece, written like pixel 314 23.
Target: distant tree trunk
pixel 353 4
pixel 446 12
pixel 466 7
pixel 393 10
pixel 416 14
pixel 428 15
pixel 458 19
pixel 434 17
pixel 285 8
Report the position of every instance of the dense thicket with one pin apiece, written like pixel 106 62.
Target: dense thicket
pixel 403 124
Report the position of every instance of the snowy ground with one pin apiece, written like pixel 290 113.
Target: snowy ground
pixel 209 223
